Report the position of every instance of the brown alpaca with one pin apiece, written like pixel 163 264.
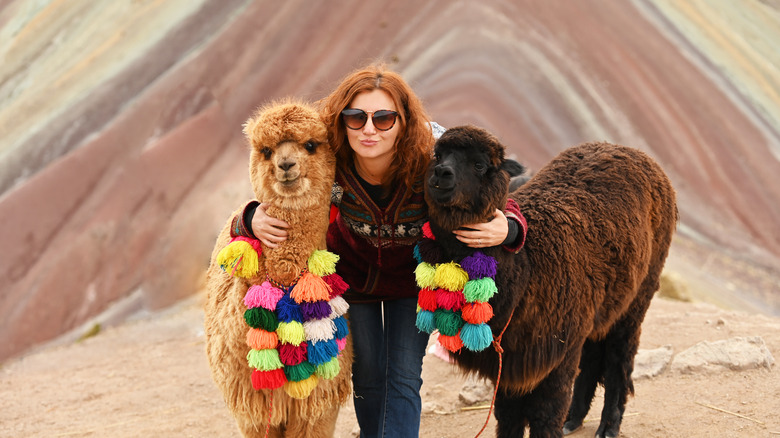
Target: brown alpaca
pixel 292 169
pixel 600 221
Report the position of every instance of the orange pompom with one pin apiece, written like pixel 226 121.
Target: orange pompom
pixel 310 288
pixel 451 343
pixel 477 313
pixel 259 339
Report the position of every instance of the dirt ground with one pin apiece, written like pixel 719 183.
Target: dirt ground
pixel 149 377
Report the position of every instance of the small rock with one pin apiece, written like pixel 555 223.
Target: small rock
pixel 672 286
pixel 732 354
pixel 475 391
pixel 430 407
pixel 650 363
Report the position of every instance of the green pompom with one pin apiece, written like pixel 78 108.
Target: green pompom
pixel 329 369
pixel 258 317
pixel 481 290
pixel 448 322
pixel 264 360
pixel 302 371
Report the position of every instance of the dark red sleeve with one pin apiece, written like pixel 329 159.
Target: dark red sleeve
pixel 242 223
pixel 334 212
pixel 512 212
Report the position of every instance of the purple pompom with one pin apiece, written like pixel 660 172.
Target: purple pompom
pixel 315 310
pixel 479 265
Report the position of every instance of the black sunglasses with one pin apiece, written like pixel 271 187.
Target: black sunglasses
pixel 383 120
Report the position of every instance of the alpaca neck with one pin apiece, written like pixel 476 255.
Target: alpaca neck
pixel 308 224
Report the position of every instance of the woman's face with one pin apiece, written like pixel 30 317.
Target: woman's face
pixel 368 142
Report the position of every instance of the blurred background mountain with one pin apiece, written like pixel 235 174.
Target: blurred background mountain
pixel 121 153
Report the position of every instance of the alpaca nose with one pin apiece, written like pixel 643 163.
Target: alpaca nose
pixel 443 172
pixel 443 177
pixel 286 165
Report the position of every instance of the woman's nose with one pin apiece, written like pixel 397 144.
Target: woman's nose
pixel 369 128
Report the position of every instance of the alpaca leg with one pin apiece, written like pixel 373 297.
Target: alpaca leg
pixel 591 373
pixel 256 428
pixel 621 345
pixel 548 403
pixel 323 427
pixel 509 415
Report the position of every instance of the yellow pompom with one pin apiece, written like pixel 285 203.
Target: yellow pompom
pixel 301 389
pixel 322 262
pixel 451 276
pixel 239 258
pixel 291 332
pixel 424 273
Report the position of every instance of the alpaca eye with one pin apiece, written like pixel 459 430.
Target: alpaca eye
pixel 310 146
pixel 436 157
pixel 266 152
pixel 480 167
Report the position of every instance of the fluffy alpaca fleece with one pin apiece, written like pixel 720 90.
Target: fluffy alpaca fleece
pixel 600 221
pixel 292 169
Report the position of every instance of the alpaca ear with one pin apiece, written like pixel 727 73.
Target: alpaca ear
pixel 512 167
pixel 249 127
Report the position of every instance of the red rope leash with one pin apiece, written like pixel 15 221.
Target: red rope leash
pixel 235 266
pixel 500 351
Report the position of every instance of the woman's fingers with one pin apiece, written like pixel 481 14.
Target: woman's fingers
pixel 485 234
pixel 268 230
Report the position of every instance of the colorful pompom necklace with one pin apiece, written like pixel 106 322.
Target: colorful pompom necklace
pixel 297 331
pixel 454 296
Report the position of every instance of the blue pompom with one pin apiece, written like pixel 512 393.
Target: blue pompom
pixel 416 254
pixel 288 310
pixel 425 321
pixel 321 352
pixel 476 337
pixel 342 330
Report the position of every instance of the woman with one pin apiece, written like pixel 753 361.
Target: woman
pixel 384 142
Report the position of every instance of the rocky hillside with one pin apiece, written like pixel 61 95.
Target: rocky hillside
pixel 121 152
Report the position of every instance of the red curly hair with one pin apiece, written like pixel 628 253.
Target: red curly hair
pixel 414 144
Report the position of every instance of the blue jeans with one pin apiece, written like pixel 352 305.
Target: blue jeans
pixel 387 371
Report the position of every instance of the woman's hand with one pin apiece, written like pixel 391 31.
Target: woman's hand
pixel 486 234
pixel 268 230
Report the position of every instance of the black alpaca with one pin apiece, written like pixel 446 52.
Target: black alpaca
pixel 600 221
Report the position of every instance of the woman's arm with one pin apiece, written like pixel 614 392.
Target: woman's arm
pixel 506 228
pixel 255 223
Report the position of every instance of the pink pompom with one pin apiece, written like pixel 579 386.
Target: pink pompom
pixel 449 300
pixel 342 343
pixel 266 296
